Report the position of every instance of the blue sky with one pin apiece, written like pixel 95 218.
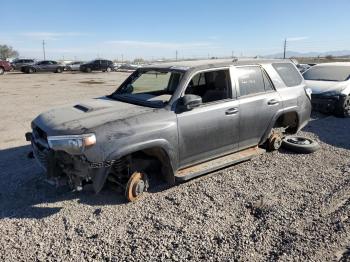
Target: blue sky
pixel 156 29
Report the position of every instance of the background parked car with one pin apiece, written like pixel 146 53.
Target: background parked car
pixel 330 85
pixel 127 67
pixel 74 66
pixel 97 65
pixel 18 63
pixel 303 67
pixel 4 66
pixel 43 66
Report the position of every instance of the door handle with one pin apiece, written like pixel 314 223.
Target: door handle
pixel 273 102
pixel 231 111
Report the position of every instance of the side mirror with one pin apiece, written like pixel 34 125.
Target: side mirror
pixel 190 101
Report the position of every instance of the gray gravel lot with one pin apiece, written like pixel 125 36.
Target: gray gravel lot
pixel 280 206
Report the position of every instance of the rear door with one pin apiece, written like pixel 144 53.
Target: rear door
pixel 258 103
pixel 212 128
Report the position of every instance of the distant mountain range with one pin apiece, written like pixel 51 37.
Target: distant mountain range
pixel 310 54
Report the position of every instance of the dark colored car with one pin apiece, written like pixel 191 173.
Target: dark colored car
pixel 18 63
pixel 173 121
pixel 43 66
pixel 97 65
pixel 4 67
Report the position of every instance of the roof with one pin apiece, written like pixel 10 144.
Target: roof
pixel 210 63
pixel 334 64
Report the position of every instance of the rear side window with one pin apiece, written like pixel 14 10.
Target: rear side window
pixel 288 73
pixel 250 79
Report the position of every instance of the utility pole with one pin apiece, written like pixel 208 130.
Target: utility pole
pixel 44 49
pixel 285 48
pixel 176 55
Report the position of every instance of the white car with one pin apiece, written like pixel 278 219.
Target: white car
pixel 330 85
pixel 74 66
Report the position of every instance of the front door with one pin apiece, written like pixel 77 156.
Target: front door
pixel 212 128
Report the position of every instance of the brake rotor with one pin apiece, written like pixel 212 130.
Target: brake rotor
pixel 137 184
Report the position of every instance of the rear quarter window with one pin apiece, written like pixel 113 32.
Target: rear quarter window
pixel 288 73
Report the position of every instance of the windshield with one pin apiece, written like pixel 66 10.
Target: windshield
pixel 149 87
pixel 328 73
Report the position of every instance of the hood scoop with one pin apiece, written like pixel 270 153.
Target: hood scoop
pixel 83 108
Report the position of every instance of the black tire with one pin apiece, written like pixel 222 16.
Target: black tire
pixel 30 70
pixel 88 70
pixel 343 107
pixel 300 144
pixel 2 70
pixel 59 70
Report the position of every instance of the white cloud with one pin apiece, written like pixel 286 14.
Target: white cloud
pixel 51 35
pixel 158 45
pixel 297 38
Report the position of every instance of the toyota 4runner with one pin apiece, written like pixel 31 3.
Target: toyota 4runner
pixel 175 121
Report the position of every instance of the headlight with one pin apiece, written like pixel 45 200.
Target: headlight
pixel 72 144
pixel 308 92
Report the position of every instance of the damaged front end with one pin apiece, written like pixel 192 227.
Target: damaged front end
pixel 62 158
pixel 328 102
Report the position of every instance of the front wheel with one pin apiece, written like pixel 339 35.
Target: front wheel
pixel 88 70
pixel 108 69
pixel 2 70
pixel 30 70
pixel 344 107
pixel 59 70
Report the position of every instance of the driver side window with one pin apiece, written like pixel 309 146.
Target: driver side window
pixel 211 86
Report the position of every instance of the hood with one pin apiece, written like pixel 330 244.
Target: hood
pixel 319 87
pixel 80 117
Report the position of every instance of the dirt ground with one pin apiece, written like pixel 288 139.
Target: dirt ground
pixel 279 206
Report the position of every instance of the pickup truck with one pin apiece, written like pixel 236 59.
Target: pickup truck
pixel 173 121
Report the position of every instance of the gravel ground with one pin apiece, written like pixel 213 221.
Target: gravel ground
pixel 279 206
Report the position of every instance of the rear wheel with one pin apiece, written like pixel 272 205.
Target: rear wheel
pixel 2 70
pixel 88 70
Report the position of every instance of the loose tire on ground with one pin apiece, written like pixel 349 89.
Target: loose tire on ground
pixel 300 144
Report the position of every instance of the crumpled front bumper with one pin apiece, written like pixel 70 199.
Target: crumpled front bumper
pixel 327 103
pixel 61 166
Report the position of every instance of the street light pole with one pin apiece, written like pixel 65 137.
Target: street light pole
pixel 44 49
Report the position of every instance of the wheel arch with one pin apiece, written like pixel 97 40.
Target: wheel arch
pixel 288 119
pixel 159 150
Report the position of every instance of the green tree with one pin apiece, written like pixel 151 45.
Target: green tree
pixel 7 52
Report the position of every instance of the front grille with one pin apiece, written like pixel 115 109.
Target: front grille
pixel 39 133
pixel 41 155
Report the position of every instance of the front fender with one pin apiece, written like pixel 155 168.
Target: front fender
pixel 100 176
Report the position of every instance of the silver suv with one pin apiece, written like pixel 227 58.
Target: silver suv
pixel 176 121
